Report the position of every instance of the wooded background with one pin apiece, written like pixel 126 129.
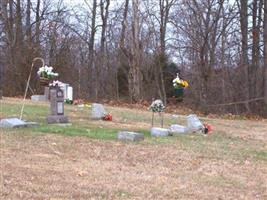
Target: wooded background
pixel 132 49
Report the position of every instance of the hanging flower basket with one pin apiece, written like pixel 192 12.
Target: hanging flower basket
pixel 179 86
pixel 44 81
pixel 46 74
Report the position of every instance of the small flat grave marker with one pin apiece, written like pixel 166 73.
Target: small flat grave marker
pixel 159 132
pixel 16 123
pixel 130 136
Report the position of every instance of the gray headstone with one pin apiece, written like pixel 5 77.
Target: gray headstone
pixel 130 136
pixel 57 107
pixel 194 124
pixel 12 123
pixel 98 111
pixel 1 94
pixel 38 98
pixel 159 132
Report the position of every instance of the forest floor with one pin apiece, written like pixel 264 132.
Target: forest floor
pixel 85 161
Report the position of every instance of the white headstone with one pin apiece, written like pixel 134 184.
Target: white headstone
pixel 67 90
pixel 70 93
pixel 64 87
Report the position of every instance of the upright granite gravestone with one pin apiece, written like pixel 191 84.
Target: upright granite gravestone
pixel 1 94
pixel 57 107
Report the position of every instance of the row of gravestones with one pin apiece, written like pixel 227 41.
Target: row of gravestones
pixel 98 112
pixel 193 125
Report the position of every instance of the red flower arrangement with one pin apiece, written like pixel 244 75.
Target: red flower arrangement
pixel 107 117
pixel 207 129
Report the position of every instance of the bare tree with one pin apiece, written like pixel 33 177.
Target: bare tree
pixel 265 52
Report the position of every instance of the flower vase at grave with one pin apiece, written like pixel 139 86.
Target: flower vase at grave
pixel 157 106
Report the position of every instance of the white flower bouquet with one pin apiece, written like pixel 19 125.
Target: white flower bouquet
pixel 56 83
pixel 157 106
pixel 46 72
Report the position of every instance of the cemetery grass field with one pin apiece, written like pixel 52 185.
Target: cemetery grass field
pixel 85 161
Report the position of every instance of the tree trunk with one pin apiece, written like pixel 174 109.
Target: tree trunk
pixel 38 25
pixel 256 23
pixel 92 65
pixel 134 72
pixel 103 66
pixel 265 53
pixel 28 22
pixel 244 46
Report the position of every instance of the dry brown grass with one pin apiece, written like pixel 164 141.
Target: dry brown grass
pixel 231 164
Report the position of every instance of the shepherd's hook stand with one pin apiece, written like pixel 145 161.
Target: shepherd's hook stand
pixel 28 83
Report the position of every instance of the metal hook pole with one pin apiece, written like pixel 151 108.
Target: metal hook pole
pixel 28 83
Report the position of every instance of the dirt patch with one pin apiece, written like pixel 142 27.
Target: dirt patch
pixel 58 167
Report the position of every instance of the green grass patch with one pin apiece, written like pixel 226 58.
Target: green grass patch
pixel 95 133
pixel 31 112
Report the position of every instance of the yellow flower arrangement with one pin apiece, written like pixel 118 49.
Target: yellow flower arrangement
pixel 179 83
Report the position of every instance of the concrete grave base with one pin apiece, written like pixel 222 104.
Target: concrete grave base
pixel 130 136
pixel 57 119
pixel 64 124
pixel 159 132
pixel 16 123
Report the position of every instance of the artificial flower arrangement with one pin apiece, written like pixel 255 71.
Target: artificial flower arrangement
pixel 179 83
pixel 157 106
pixel 46 72
pixel 107 117
pixel 56 83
